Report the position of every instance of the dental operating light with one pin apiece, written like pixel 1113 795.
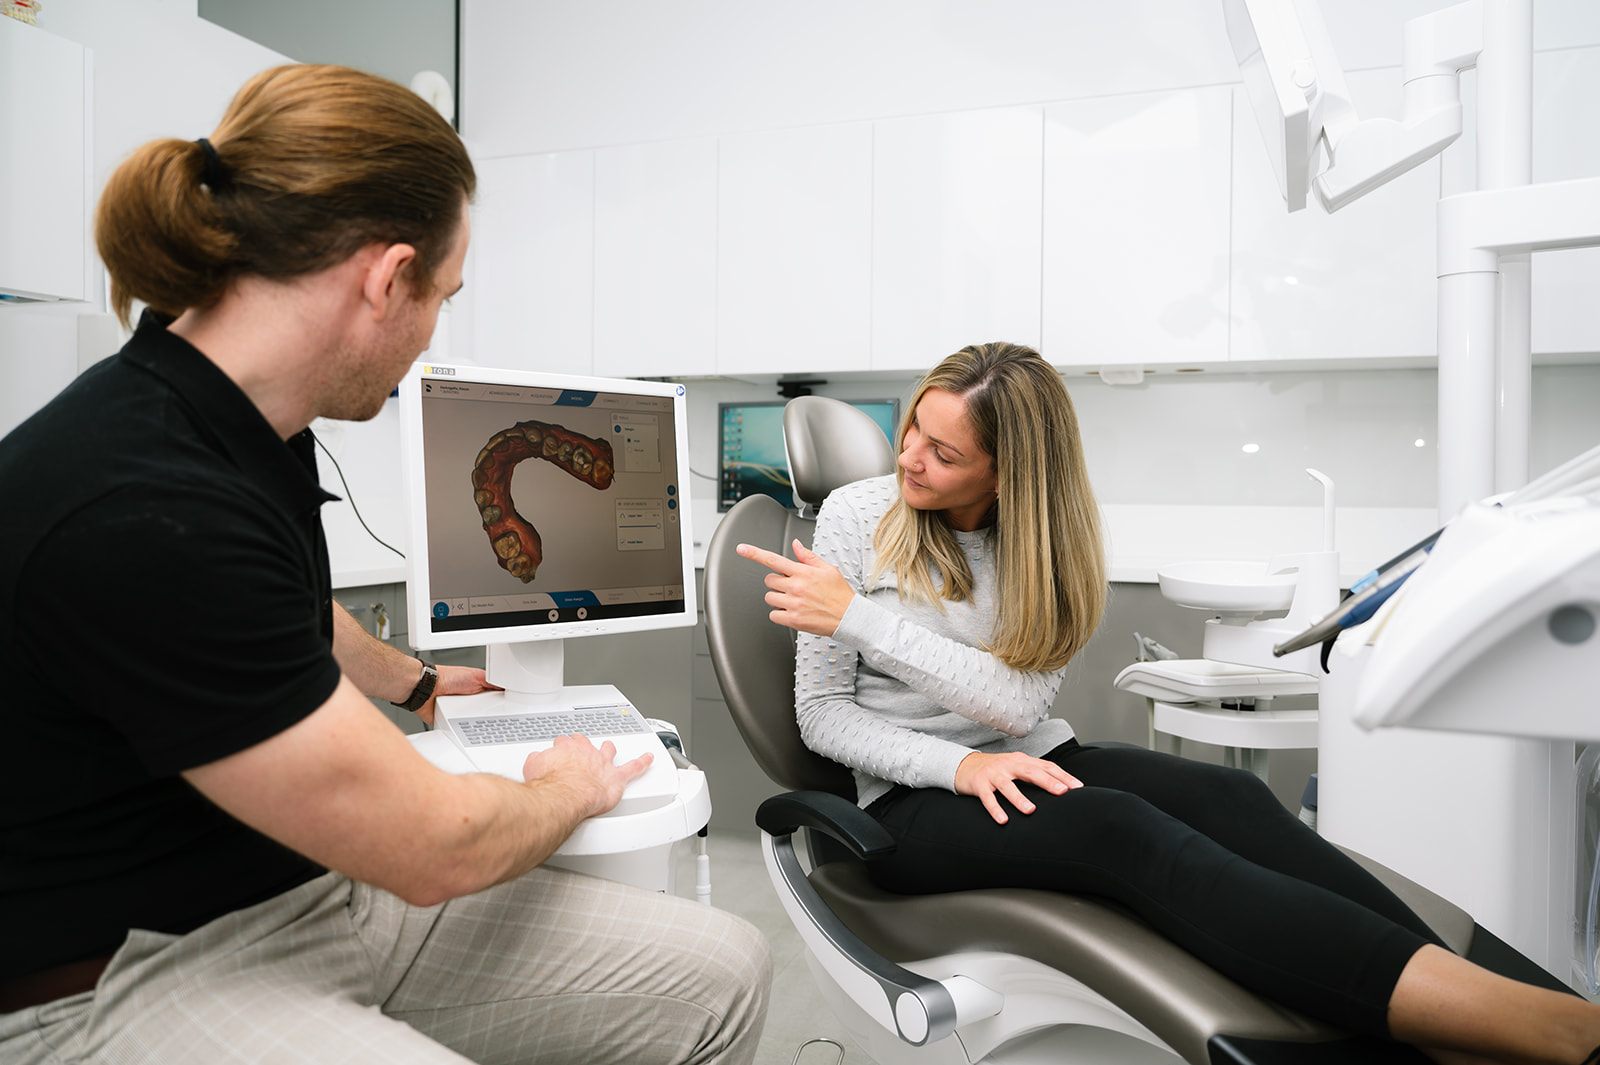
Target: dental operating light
pixel 1297 90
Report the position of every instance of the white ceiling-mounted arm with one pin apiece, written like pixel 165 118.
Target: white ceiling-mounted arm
pixel 1297 89
pixel 1366 154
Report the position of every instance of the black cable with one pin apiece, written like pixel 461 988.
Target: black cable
pixel 351 499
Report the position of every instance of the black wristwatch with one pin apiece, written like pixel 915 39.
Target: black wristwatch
pixel 423 691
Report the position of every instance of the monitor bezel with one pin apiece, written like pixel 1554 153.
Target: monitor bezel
pixel 419 594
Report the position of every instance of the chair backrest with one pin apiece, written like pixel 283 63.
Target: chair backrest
pixel 829 444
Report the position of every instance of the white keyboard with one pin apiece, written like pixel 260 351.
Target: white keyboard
pixel 496 736
pixel 593 721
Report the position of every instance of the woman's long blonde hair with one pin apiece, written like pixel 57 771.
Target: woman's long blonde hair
pixel 1049 553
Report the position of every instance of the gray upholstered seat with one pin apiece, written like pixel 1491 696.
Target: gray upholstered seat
pixel 1199 1015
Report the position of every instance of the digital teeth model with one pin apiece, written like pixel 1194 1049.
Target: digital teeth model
pixel 516 543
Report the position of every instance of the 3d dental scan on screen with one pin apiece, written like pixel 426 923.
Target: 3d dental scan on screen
pixel 544 508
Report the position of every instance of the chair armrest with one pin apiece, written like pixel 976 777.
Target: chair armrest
pixel 781 815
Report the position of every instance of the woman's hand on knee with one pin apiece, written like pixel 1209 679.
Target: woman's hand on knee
pixel 988 776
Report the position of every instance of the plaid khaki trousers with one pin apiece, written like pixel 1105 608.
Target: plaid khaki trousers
pixel 552 967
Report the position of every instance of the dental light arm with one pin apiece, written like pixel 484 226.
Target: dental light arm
pixel 1297 89
pixel 1366 154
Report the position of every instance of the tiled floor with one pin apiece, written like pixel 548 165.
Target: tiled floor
pixel 739 885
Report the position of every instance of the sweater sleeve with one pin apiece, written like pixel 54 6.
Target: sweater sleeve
pixel 831 722
pixel 834 726
pixel 964 680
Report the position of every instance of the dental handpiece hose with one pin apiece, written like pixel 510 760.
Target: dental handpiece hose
pixel 1371 577
pixel 1359 607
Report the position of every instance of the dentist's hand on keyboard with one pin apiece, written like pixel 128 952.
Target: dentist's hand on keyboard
pixel 577 764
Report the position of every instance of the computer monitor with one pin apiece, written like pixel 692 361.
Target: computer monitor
pixel 753 460
pixel 543 507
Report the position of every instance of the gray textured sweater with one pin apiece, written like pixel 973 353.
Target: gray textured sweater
pixel 902 691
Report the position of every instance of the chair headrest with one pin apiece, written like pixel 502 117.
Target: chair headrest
pixel 829 444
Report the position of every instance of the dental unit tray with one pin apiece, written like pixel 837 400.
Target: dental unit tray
pixel 1200 680
pixel 1224 704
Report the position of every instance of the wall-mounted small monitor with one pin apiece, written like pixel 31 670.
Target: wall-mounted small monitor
pixel 752 458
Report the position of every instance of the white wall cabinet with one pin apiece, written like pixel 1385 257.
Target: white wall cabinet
pixel 794 250
pixel 1136 229
pixel 956 233
pixel 655 259
pixel 45 151
pixel 532 275
pixel 1357 284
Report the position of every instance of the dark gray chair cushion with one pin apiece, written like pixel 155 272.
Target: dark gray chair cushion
pixel 753 658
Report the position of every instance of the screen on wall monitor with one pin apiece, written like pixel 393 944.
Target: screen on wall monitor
pixel 753 460
pixel 548 505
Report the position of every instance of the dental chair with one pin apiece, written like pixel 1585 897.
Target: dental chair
pixel 997 975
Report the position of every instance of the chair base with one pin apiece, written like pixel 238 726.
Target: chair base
pixel 1049 1018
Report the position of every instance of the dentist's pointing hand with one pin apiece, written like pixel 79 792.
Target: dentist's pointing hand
pixel 805 592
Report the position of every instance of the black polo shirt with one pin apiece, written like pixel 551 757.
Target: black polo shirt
pixel 165 601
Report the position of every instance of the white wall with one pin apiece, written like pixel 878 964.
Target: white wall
pixel 553 76
pixel 1173 450
pixel 159 71
pixel 559 80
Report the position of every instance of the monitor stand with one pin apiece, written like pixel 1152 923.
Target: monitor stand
pixel 532 674
pixel 532 677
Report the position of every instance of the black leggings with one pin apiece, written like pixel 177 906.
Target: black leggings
pixel 1206 855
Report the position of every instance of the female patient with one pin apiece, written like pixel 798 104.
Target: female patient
pixel 938 614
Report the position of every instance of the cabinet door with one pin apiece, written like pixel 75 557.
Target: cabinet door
pixel 956 217
pixel 794 242
pixel 1357 284
pixel 44 154
pixel 1566 145
pixel 1136 229
pixel 533 263
pixel 655 259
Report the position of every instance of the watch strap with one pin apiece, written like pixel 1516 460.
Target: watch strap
pixel 424 689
